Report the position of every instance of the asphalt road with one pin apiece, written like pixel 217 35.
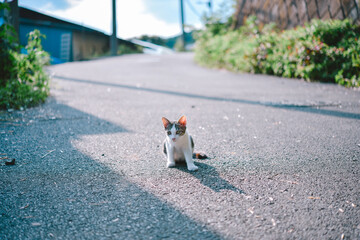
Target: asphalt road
pixel 284 156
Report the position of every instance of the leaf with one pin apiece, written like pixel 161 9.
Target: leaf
pixel 11 163
pixel 311 197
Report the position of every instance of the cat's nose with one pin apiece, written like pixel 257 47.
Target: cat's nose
pixel 174 139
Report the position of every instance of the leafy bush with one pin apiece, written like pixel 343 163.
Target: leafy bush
pixel 217 46
pixel 326 51
pixel 126 49
pixel 24 83
pixel 7 45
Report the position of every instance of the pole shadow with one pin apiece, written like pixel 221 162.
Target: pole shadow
pixel 313 109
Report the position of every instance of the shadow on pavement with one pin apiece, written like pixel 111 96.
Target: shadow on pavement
pixel 55 191
pixel 209 177
pixel 294 107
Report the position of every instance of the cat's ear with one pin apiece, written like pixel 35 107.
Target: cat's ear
pixel 165 121
pixel 182 121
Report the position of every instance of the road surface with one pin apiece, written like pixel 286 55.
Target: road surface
pixel 284 156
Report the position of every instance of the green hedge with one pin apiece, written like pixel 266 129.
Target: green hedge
pixel 327 51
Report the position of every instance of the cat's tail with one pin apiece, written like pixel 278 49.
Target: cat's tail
pixel 200 156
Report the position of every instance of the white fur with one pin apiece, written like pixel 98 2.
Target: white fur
pixel 179 150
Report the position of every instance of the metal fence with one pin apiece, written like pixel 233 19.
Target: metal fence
pixel 291 13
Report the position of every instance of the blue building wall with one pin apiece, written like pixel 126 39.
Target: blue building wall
pixel 53 43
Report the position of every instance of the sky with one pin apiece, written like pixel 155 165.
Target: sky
pixel 134 17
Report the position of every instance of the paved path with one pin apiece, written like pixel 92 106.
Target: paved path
pixel 284 156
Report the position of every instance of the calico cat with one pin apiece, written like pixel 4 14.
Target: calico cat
pixel 179 145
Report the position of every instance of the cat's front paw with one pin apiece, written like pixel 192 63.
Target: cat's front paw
pixel 192 168
pixel 170 164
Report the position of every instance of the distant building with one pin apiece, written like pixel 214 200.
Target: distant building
pixel 65 41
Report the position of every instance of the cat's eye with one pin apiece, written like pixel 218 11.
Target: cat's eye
pixel 177 132
pixel 168 132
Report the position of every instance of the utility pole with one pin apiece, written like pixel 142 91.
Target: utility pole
pixel 113 39
pixel 182 23
pixel 14 15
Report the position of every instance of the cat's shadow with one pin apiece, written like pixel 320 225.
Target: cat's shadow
pixel 209 177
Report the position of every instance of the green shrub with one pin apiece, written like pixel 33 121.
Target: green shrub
pixel 219 47
pixel 24 82
pixel 327 51
pixel 7 45
pixel 126 49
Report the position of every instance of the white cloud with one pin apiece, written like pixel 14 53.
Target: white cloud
pixel 49 5
pixel 132 20
pixel 136 23
pixel 91 13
